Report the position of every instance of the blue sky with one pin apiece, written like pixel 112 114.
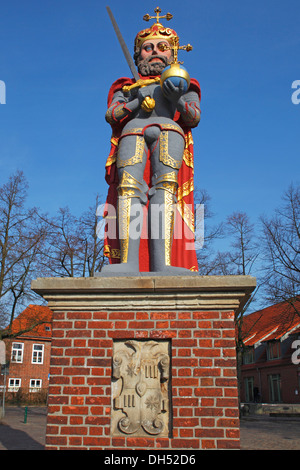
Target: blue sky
pixel 59 58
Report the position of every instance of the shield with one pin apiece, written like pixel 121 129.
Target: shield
pixel 140 391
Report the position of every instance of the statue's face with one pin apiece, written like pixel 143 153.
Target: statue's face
pixel 153 58
pixel 154 48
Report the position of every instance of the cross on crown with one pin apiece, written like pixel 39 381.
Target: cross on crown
pixel 157 10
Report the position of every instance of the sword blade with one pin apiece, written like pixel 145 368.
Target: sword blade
pixel 125 50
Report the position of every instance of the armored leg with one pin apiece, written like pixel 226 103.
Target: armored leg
pixel 132 196
pixel 166 162
pixel 161 219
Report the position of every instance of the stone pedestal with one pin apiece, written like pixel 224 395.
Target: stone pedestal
pixel 144 362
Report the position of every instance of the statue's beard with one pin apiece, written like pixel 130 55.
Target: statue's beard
pixel 147 67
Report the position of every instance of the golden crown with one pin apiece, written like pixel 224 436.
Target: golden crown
pixel 156 31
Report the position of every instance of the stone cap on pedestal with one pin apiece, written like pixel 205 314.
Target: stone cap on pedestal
pixel 146 292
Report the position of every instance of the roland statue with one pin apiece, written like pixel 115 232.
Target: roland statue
pixel 150 208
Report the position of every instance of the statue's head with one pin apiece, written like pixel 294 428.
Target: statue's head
pixel 151 47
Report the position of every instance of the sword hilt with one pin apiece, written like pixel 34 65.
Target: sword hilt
pixel 149 103
pixel 140 84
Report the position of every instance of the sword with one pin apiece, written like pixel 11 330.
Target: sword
pixel 125 50
pixel 148 106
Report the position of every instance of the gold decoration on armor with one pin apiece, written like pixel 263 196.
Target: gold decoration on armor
pixel 164 156
pixel 116 113
pixel 137 157
pixel 172 127
pixel 124 206
pixel 169 226
pixel 126 192
pixel 129 188
pixel 109 116
pixel 128 182
pixel 163 127
pixel 167 182
pixel 134 130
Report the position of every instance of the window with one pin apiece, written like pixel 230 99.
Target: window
pixel 17 352
pixel 14 385
pixel 35 385
pixel 274 388
pixel 249 395
pixel 38 354
pixel 273 350
pixel 248 356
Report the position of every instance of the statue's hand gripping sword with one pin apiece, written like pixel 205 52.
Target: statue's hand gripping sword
pixel 148 103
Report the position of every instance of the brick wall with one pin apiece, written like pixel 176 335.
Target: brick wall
pixel 204 385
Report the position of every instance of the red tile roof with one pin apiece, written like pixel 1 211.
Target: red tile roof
pixel 32 315
pixel 271 323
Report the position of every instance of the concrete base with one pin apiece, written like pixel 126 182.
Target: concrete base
pixel 145 291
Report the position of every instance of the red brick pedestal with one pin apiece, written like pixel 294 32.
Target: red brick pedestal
pixel 195 314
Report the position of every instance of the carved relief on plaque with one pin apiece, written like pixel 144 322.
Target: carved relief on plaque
pixel 140 388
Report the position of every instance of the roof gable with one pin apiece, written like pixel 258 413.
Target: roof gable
pixel 270 323
pixel 38 315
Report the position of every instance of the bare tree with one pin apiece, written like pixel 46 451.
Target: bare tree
pixel 244 251
pixel 92 241
pixel 35 245
pixel 208 261
pixel 73 246
pixel 281 248
pixel 21 237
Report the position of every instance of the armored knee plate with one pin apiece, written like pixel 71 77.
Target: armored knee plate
pixel 130 187
pixel 167 182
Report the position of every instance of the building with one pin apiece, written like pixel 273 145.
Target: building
pixel 271 358
pixel 28 353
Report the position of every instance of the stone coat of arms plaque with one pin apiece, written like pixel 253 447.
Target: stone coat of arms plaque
pixel 140 388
